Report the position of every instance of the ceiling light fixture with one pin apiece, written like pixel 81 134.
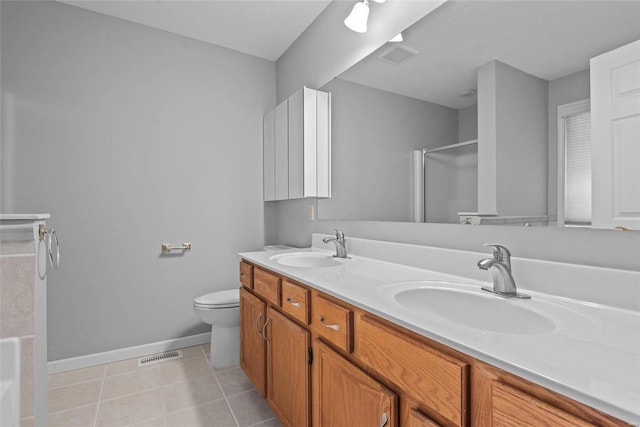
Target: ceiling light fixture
pixel 397 38
pixel 357 19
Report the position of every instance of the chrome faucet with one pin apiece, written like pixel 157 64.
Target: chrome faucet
pixel 500 266
pixel 340 242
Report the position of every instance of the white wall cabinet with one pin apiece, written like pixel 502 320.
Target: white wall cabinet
pixel 297 147
pixel 615 141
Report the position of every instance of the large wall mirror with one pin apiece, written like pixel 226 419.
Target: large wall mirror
pixel 408 120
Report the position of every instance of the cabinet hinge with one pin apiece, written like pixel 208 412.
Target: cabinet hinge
pixel 310 355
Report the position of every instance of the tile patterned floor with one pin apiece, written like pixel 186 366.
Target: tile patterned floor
pixel 181 393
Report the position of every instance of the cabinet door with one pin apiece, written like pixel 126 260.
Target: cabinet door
pixel 511 407
pixel 252 343
pixel 418 419
pixel 615 138
pixel 281 143
pixel 288 370
pixel 269 156
pixel 343 395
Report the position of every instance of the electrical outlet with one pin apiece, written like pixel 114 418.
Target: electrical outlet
pixel 310 212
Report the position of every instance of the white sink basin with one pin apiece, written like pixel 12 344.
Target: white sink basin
pixel 463 305
pixel 306 260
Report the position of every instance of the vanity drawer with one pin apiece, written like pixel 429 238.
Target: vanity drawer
pixel 333 322
pixel 246 274
pixel 435 379
pixel 295 301
pixel 267 285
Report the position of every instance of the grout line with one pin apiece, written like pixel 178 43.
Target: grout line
pixel 76 383
pixel 104 376
pixel 224 396
pixel 72 409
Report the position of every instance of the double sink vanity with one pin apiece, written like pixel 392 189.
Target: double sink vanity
pixel 368 340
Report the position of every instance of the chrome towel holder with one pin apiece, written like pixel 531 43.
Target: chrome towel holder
pixel 167 248
pixel 50 235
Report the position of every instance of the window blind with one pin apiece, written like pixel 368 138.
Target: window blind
pixel 578 169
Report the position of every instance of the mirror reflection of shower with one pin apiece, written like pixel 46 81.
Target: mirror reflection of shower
pixel 445 182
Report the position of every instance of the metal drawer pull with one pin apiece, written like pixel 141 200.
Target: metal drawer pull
pixel 257 327
pixel 384 419
pixel 264 333
pixel 295 304
pixel 329 325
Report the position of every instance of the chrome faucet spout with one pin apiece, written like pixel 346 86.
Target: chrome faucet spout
pixel 340 242
pixel 500 267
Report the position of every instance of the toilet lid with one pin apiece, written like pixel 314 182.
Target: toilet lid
pixel 228 298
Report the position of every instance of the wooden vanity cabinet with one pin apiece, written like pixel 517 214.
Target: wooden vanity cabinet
pixel 345 396
pixel 322 362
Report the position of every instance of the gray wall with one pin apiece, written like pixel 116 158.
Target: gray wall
pixel 130 137
pixel 373 136
pixel 567 89
pixel 468 123
pixel 522 128
pixel 327 48
pixel 512 141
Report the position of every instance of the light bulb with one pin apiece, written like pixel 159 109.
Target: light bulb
pixel 357 19
pixel 397 38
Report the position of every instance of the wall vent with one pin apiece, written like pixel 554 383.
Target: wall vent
pixel 398 55
pixel 160 357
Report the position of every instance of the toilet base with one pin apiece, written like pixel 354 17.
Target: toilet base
pixel 225 346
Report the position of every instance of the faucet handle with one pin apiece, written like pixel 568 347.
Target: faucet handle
pixel 500 253
pixel 339 234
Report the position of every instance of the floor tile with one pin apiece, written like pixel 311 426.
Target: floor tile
pixel 184 370
pixel 191 352
pixel 131 409
pixel 234 381
pixel 183 395
pixel 156 422
pixel 123 366
pixel 212 414
pixel 129 383
pixel 76 376
pixel 73 396
pixel 78 417
pixel 273 422
pixel 249 408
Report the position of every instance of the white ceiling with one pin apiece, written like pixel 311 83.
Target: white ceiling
pixel 263 28
pixel 548 39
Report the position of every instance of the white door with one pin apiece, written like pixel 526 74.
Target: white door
pixel 615 133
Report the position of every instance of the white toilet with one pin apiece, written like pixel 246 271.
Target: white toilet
pixel 222 311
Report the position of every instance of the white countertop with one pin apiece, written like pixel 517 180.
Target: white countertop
pixel 592 356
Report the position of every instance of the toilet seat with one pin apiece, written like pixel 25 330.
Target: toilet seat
pixel 221 299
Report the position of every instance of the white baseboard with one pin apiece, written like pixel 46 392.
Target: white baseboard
pixel 95 359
